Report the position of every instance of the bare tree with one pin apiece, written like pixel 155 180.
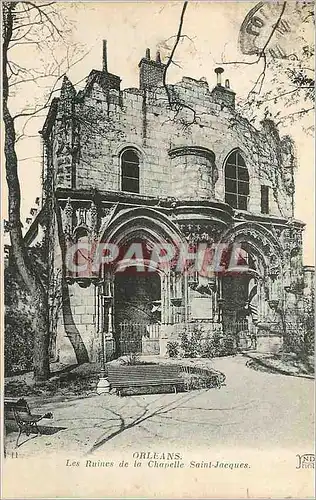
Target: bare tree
pixel 175 102
pixel 283 90
pixel 284 87
pixel 35 27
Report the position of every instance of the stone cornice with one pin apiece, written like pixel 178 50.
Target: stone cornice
pixel 269 219
pixel 191 150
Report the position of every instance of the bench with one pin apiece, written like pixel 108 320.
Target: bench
pixel 19 411
pixel 123 377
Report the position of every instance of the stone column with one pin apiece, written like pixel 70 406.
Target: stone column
pixel 260 300
pixel 176 297
pixel 163 298
pixel 185 298
pixel 109 318
pixel 219 300
pixel 168 297
pixel 166 328
pixel 215 302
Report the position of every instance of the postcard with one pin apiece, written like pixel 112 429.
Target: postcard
pixel 158 256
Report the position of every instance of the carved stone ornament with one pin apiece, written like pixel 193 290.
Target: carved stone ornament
pixel 197 233
pixel 93 217
pixel 67 218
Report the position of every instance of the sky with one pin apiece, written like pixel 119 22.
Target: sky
pixel 129 28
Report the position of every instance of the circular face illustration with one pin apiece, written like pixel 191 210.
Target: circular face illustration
pixel 276 28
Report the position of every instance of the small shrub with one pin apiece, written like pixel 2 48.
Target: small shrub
pixel 20 388
pixel 173 349
pixel 157 389
pixel 18 343
pixel 131 359
pixel 191 342
pixel 219 345
pixel 212 347
pixel 194 381
pixel 198 343
pixel 300 339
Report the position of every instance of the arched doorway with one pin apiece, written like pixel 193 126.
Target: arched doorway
pixel 247 297
pixel 138 232
pixel 137 311
pixel 240 295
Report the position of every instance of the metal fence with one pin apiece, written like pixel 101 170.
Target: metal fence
pixel 132 334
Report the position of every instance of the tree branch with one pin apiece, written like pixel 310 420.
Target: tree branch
pixel 174 48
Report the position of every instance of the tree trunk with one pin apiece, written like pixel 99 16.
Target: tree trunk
pixel 70 327
pixel 41 338
pixel 22 260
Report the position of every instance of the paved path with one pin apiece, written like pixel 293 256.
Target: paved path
pixel 254 409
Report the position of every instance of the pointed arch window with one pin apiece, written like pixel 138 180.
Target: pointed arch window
pixel 130 171
pixel 236 181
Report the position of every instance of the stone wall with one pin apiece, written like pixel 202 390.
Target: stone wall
pixel 269 343
pixel 79 319
pixel 95 125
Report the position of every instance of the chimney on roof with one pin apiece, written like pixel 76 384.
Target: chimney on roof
pixel 104 58
pixel 223 95
pixel 151 71
pixel 219 72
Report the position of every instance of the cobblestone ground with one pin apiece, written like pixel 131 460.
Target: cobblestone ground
pixel 260 409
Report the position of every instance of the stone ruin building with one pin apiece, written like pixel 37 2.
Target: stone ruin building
pixel 165 163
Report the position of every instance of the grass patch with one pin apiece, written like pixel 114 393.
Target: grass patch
pixel 284 363
pixel 79 380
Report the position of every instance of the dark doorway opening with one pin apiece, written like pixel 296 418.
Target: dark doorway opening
pixel 136 311
pixel 236 310
pixel 235 301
